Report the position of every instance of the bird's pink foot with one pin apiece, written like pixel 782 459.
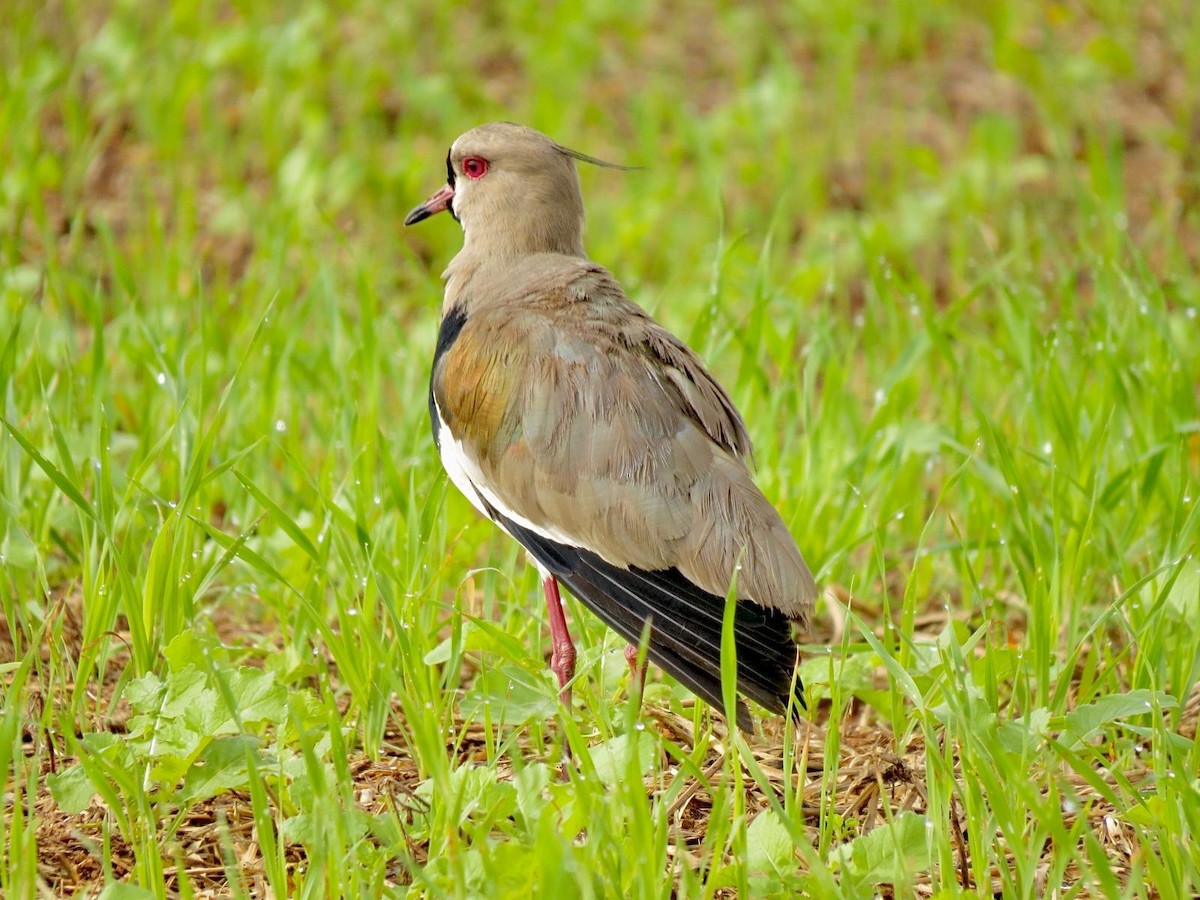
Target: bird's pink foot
pixel 637 674
pixel 562 656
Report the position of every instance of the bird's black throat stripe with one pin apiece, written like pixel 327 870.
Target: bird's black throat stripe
pixel 450 181
pixel 448 332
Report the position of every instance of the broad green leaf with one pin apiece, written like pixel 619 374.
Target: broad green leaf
pixel 1147 814
pixel 145 694
pixel 174 737
pixel 311 829
pixel 531 782
pixel 612 758
pixel 476 635
pixel 257 695
pixel 221 767
pixel 1083 721
pixel 185 690
pixel 513 695
pixel 513 867
pixel 188 646
pixel 475 793
pixel 71 789
pixel 892 852
pixel 769 846
pixel 119 890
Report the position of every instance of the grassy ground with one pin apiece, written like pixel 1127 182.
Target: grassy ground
pixel 945 258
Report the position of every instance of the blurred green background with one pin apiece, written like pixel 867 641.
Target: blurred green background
pixel 944 256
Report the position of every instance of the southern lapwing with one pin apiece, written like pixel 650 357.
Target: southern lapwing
pixel 597 438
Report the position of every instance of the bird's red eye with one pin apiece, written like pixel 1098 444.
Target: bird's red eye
pixel 474 166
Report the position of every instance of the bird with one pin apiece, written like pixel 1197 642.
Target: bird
pixel 598 439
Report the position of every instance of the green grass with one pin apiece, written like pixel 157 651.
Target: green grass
pixel 943 255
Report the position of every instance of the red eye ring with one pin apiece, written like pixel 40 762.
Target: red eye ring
pixel 474 166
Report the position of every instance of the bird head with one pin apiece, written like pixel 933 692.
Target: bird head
pixel 513 190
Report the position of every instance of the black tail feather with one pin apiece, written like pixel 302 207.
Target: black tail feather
pixel 685 624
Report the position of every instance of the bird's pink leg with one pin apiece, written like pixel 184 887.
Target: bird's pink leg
pixel 637 674
pixel 562 656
